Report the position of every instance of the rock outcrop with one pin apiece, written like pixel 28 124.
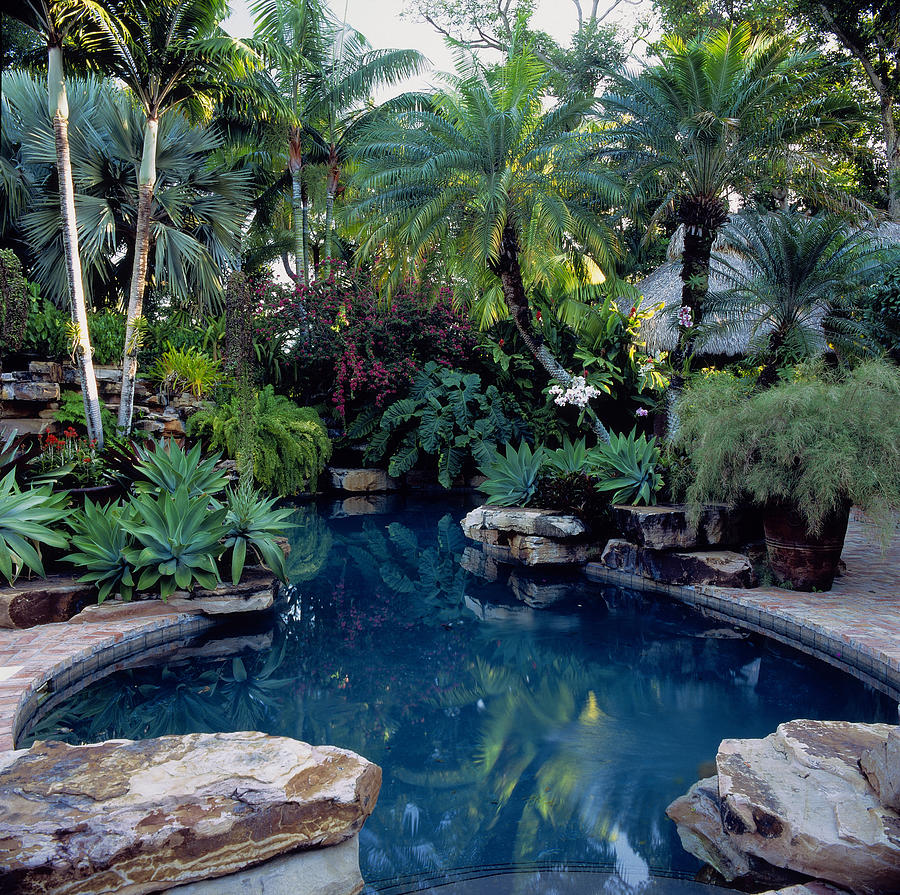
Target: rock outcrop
pixel 723 568
pixel 668 527
pixel 531 537
pixel 362 481
pixel 43 601
pixel 796 802
pixel 143 816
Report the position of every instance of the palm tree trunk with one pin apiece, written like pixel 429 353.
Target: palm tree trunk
pixel 510 274
pixel 304 204
pixel 146 183
pixel 701 217
pixel 892 147
pixel 84 356
pixel 299 214
pixel 329 214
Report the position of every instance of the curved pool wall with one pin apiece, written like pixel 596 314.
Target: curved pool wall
pixel 507 734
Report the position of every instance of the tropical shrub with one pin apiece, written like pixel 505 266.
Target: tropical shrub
pixel 816 442
pixel 180 370
pixel 627 465
pixel 251 521
pixel 339 341
pixel 512 477
pixel 102 547
pixel 177 540
pixel 28 518
pixel 289 444
pixel 446 415
pixel 168 467
pixel 71 413
pixel 880 310
pixel 573 492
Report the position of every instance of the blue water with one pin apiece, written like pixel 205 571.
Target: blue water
pixel 551 734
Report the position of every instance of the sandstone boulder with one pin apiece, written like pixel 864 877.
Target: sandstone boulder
pixel 29 391
pixel 723 568
pixel 797 800
pixel 143 816
pixel 47 370
pixel 531 550
pixel 362 481
pixel 668 527
pixel 42 601
pixel 527 521
pixel 881 765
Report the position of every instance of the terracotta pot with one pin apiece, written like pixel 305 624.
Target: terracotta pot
pixel 804 561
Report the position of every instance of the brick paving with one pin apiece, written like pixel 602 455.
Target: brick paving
pixel 37 662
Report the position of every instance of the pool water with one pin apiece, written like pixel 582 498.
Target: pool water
pixel 522 723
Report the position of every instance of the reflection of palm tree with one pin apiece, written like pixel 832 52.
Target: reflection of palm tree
pixel 311 540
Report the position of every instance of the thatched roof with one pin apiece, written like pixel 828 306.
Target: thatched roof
pixel 663 286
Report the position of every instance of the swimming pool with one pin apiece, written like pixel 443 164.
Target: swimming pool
pixel 529 722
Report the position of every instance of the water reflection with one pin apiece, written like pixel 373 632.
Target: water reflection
pixel 518 717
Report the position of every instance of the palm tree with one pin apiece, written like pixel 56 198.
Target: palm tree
pixel 170 54
pixel 292 35
pixel 195 218
pixel 340 104
pixel 708 120
pixel 796 282
pixel 508 191
pixel 55 20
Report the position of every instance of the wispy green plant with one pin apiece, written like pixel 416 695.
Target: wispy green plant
pixel 290 445
pixel 187 370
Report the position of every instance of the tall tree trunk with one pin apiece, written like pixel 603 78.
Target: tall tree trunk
pixel 701 217
pixel 298 202
pixel 510 275
pixel 334 176
pixel 146 183
pixel 892 149
pixel 84 356
pixel 304 207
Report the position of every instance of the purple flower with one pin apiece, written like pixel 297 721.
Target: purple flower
pixel 641 411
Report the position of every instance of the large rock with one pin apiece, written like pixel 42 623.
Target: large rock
pixel 362 481
pixel 668 527
pixel 881 765
pixel 797 800
pixel 480 522
pixel 42 601
pixel 142 816
pixel 723 568
pixel 29 391
pixel 531 550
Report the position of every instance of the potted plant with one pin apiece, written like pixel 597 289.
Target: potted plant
pixel 802 452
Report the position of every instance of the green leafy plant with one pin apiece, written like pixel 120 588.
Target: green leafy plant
pixel 71 412
pixel 168 467
pixel 572 457
pixel 102 547
pixel 512 477
pixel 14 302
pixel 573 492
pixel 816 442
pixel 178 538
pixel 446 415
pixel 107 331
pixel 252 521
pixel 627 466
pixel 28 518
pixel 289 444
pixel 187 370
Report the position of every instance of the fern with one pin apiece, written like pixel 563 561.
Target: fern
pixel 289 445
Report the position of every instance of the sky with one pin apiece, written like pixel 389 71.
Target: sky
pixel 380 22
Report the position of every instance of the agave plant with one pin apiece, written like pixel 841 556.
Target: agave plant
pixel 512 479
pixel 169 468
pixel 251 520
pixel 102 548
pixel 178 540
pixel 570 458
pixel 627 466
pixel 28 519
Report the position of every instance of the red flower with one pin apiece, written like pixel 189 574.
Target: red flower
pixel 501 343
pixel 539 317
pixel 86 460
pixel 70 433
pixel 632 312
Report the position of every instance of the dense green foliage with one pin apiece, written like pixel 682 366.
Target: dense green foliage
pixel 252 521
pixel 289 444
pixel 627 465
pixel 168 468
pixel 815 442
pixel 512 476
pixel 100 544
pixel 14 302
pixel 446 415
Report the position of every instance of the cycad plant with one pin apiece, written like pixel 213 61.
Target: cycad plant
pixel 709 118
pixel 504 189
pixel 797 283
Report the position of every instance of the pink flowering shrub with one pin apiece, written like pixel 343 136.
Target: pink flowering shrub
pixel 337 339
